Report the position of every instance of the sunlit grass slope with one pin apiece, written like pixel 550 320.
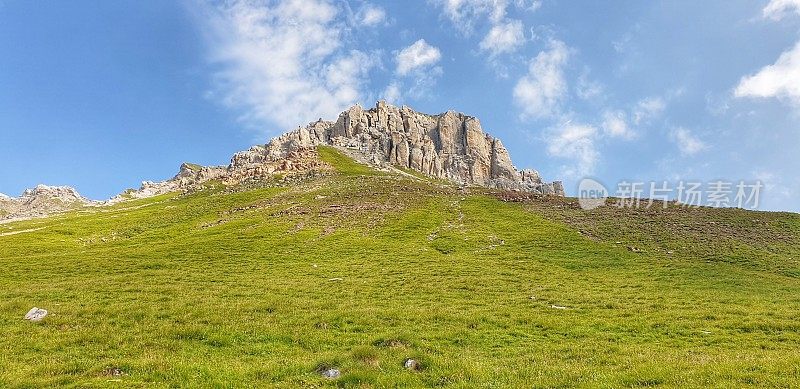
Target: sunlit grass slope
pixel 360 270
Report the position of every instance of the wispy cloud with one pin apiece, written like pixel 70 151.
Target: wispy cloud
pixel 587 89
pixel 615 125
pixel 648 109
pixel 505 35
pixel 393 94
pixel 539 93
pixel 687 142
pixel 465 14
pixel 777 9
pixel 371 15
pixel 503 38
pixel 577 143
pixel 283 63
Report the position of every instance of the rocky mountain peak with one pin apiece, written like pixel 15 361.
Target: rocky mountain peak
pixel 450 145
pixel 40 201
pixel 45 192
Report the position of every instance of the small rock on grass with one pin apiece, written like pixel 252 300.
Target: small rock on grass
pixel 36 314
pixel 114 372
pixel 331 373
pixel 411 364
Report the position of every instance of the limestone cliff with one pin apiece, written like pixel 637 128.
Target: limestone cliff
pixel 451 145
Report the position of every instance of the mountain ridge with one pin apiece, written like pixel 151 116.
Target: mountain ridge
pixel 449 145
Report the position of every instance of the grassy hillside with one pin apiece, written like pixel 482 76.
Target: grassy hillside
pixel 360 270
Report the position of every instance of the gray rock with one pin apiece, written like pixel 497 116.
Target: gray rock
pixel 411 364
pixel 450 145
pixel 331 374
pixel 41 201
pixel 36 314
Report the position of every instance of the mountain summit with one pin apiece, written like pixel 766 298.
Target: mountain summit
pixel 449 145
pixel 41 201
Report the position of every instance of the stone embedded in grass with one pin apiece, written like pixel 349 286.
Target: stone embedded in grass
pixel 412 364
pixel 113 372
pixel 331 374
pixel 36 314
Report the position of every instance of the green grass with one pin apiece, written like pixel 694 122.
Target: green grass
pixel 193 166
pixel 361 270
pixel 343 164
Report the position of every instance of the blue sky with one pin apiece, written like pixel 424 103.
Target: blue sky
pixel 103 95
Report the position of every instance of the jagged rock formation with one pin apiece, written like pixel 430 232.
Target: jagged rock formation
pixel 299 160
pixel 449 145
pixel 40 201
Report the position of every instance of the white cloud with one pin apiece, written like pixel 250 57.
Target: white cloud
pixel 371 15
pixel 687 142
pixel 283 63
pixel 780 80
pixel 465 14
pixel 615 125
pixel 575 142
pixel 540 92
pixel 777 9
pixel 343 74
pixel 503 38
pixel 416 74
pixel 648 109
pixel 417 56
pixel 393 94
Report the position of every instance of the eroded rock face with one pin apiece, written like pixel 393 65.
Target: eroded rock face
pixel 449 145
pixel 257 164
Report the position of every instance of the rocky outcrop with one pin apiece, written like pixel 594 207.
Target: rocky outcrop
pixel 252 166
pixel 40 201
pixel 449 145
